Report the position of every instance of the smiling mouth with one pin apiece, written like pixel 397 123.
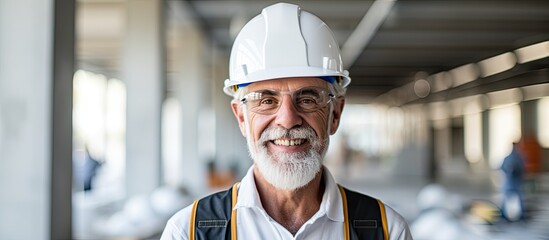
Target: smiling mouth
pixel 289 142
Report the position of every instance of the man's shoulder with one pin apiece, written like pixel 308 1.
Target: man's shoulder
pixel 177 226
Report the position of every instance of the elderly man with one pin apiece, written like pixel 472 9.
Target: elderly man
pixel 288 86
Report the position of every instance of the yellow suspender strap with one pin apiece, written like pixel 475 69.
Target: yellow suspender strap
pixel 233 213
pixel 193 219
pixel 345 214
pixel 383 220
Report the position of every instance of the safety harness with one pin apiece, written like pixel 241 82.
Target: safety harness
pixel 214 216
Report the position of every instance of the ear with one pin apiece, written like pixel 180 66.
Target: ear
pixel 239 114
pixel 336 114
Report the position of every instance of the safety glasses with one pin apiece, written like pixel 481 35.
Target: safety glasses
pixel 305 100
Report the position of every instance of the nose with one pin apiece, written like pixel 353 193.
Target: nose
pixel 287 115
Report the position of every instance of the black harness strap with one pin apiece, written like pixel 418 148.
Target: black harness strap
pixel 213 216
pixel 366 217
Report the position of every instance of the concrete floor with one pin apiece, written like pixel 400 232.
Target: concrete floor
pixel 453 220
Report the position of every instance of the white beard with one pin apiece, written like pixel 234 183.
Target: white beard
pixel 288 171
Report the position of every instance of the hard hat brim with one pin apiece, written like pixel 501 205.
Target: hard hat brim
pixel 284 72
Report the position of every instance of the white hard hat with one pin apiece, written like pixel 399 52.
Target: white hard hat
pixel 282 42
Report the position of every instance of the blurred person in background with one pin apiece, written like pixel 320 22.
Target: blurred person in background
pixel 288 84
pixel 86 167
pixel 512 205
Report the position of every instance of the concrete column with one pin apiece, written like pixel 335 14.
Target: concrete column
pixel 529 117
pixel 61 161
pixel 441 148
pixel 190 88
pixel 231 146
pixel 36 68
pixel 142 71
pixel 486 137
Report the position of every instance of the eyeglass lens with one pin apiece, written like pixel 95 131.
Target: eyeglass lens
pixel 308 99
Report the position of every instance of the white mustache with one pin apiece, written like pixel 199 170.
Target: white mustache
pixel 273 133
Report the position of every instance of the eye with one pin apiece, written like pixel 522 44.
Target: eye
pixel 307 101
pixel 267 101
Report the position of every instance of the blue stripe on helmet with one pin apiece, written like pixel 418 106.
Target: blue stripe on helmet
pixel 330 79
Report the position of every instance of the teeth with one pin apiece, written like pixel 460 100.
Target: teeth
pixel 289 142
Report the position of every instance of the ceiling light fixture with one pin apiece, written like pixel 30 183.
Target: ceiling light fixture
pixel 497 64
pixel 533 52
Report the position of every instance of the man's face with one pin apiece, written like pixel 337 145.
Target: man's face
pixel 288 145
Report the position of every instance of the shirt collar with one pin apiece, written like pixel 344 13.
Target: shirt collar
pixel 247 192
pixel 332 201
pixel 331 204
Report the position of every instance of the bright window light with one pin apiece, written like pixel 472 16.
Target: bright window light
pixel 543 119
pixel 172 141
pixel 472 124
pixel 89 110
pixel 374 130
pixel 504 130
pixel 99 124
pixel 115 131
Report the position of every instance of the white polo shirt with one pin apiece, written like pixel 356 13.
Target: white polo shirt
pixel 253 222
